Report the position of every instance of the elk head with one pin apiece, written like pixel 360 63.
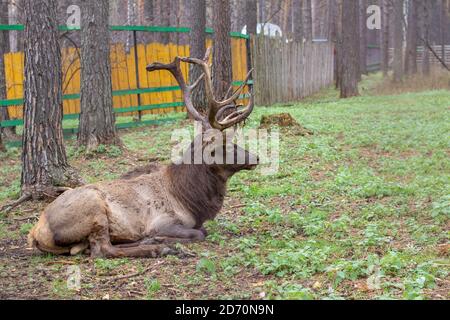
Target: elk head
pixel 220 116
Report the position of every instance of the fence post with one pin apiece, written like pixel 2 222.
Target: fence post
pixel 136 64
pixel 249 55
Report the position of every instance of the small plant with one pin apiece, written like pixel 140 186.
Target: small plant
pixel 287 291
pixel 206 266
pixel 4 232
pixel 60 289
pixel 25 228
pixel 114 151
pixel 392 263
pixel 101 149
pixel 152 286
pixel 347 270
pixel 295 292
pixel 374 235
pixel 108 265
pixel 441 209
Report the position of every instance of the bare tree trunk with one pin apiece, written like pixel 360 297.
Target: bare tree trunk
pixel 96 117
pixel 16 17
pixel 385 37
pixel 251 16
pixel 44 161
pixel 114 18
pixel 165 20
pixel 363 36
pixel 131 21
pixel 350 49
pixel 197 23
pixel 70 39
pixel 286 14
pixel 174 21
pixel 149 20
pixel 222 68
pixel 425 31
pixel 237 15
pixel 297 17
pixel 308 23
pixel 398 40
pixel 358 39
pixel 149 11
pixel 4 48
pixel 2 147
pixel 336 8
pixel 275 8
pixel 261 11
pixel 184 20
pixel 411 39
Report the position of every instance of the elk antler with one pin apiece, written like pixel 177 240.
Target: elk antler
pixel 216 109
pixel 175 70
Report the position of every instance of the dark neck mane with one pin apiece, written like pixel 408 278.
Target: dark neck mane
pixel 199 188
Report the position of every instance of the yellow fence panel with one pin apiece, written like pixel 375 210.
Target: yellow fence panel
pixel 71 78
pixel 14 63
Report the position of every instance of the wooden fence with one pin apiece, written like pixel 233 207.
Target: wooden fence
pixel 283 72
pixel 433 60
pixel 158 91
pixel 289 71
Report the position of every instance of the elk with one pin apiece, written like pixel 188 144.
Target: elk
pixel 143 213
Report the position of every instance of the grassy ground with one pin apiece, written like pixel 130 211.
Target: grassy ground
pixel 360 209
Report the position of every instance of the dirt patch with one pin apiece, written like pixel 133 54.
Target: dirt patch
pixel 284 121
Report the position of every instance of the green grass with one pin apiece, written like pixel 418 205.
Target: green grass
pixel 108 265
pixel 358 210
pixel 370 190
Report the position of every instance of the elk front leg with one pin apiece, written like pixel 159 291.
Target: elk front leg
pixel 101 246
pixel 176 234
pixel 181 233
pixel 138 250
pixel 170 235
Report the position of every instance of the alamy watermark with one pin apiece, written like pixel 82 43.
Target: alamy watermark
pixel 74 19
pixel 374 18
pixel 73 281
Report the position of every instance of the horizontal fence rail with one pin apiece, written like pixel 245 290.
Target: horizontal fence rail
pixel 289 71
pixel 135 91
pixel 443 54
